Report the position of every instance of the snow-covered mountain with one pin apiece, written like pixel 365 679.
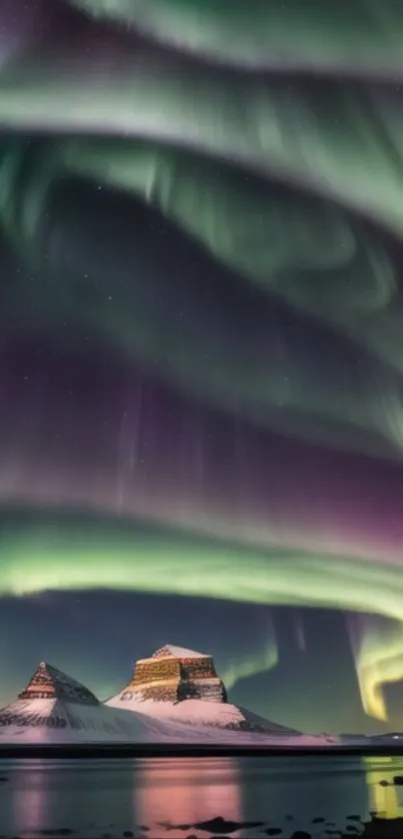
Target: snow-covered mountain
pixel 181 685
pixel 174 674
pixel 54 707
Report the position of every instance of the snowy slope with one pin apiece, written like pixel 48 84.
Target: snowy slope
pixel 55 720
pixel 221 723
pixel 254 720
pixel 38 721
pixel 218 722
pixel 191 711
pixel 52 721
pixel 197 712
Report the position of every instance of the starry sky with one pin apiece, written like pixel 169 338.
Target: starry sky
pixel 201 354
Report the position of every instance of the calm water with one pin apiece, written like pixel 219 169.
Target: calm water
pixel 174 798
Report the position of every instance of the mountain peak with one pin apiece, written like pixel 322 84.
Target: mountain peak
pixel 171 651
pixel 50 683
pixel 173 674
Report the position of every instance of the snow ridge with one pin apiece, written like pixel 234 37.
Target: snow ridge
pixel 170 651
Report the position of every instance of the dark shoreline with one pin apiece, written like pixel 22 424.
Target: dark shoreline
pixel 156 750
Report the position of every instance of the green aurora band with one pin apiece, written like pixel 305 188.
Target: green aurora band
pixel 40 556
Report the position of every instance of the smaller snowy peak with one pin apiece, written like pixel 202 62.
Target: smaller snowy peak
pixel 50 683
pixel 170 651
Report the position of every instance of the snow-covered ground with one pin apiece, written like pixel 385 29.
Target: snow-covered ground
pixel 193 711
pixel 218 722
pixel 41 721
pixel 190 711
pixel 53 720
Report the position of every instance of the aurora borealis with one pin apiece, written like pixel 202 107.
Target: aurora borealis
pixel 201 354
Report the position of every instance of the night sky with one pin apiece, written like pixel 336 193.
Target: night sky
pixel 201 348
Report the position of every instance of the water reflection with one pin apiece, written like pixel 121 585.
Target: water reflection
pixel 42 796
pixel 187 792
pixel 30 804
pixel 309 794
pixel 386 799
pixel 158 798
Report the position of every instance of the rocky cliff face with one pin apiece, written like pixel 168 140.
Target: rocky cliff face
pixel 175 674
pixel 50 683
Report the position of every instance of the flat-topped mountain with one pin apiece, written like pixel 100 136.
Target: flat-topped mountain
pixel 178 684
pixel 174 674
